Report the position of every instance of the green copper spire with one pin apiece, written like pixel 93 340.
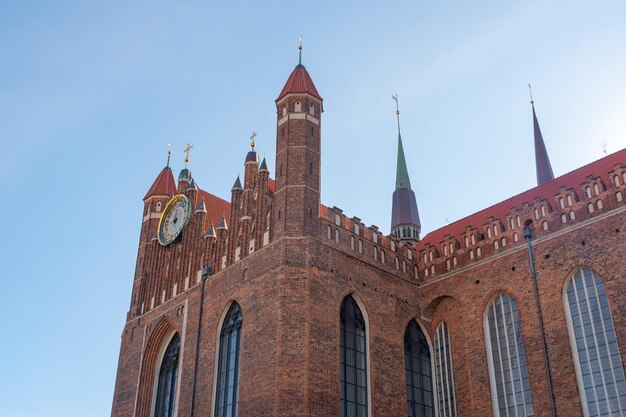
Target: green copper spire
pixel 402 173
pixel 300 49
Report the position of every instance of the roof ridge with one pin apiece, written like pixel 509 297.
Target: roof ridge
pixel 544 185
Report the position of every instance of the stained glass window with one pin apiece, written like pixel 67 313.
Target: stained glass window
pixel 510 388
pixel 227 389
pixel 598 364
pixel 168 374
pixel 353 347
pixel 419 382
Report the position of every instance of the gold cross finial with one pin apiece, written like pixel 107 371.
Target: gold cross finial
pixel 252 136
pixel 395 98
pixel 169 153
pixel 187 150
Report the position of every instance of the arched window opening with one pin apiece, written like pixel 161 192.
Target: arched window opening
pixel 572 215
pixel 311 109
pixel 562 203
pixel 619 197
pixel 353 346
pixel 599 370
pixel 297 107
pixel 352 242
pixel 382 256
pixel 590 207
pixel 569 200
pixel 588 191
pixel 515 237
pixel 600 205
pixel 506 352
pixel 443 372
pixel 397 263
pixel 624 177
pixel 284 113
pixel 328 232
pixel 227 387
pixel 418 367
pixel 545 226
pixel 563 218
pixel 375 253
pixel 360 246
pixel 596 189
pixel 158 206
pixel 168 375
pixel 336 235
pixel 617 181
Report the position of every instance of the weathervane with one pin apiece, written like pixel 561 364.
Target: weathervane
pixel 300 49
pixel 252 136
pixel 530 89
pixel 169 153
pixel 187 150
pixel 395 98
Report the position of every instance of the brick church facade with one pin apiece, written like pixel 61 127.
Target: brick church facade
pixel 273 304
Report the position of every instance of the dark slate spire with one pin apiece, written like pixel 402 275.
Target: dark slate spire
pixel 405 220
pixel 222 224
pixel 542 161
pixel 237 184
pixel 263 166
pixel 210 232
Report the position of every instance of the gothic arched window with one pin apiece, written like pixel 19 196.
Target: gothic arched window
pixel 597 360
pixel 168 374
pixel 443 372
pixel 354 401
pixel 419 384
pixel 510 387
pixel 227 389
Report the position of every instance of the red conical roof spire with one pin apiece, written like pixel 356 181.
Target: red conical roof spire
pixel 299 81
pixel 163 185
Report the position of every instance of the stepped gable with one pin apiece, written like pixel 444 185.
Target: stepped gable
pixel 299 82
pixel 163 185
pixel 547 190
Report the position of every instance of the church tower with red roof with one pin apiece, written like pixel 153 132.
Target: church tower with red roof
pixel 297 196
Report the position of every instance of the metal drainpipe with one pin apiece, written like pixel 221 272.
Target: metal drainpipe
pixel 528 234
pixel 206 272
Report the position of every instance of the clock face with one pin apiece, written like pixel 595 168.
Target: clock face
pixel 174 218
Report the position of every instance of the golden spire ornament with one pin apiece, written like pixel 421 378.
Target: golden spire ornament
pixel 187 150
pixel 252 142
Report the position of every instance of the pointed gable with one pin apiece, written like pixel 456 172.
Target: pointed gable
pixel 299 82
pixel 164 184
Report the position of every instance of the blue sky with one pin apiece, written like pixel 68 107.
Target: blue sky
pixel 92 92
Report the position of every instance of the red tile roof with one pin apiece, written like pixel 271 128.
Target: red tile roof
pixel 299 82
pixel 215 208
pixel 547 190
pixel 163 185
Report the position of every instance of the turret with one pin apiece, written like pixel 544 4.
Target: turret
pixel 405 220
pixel 297 196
